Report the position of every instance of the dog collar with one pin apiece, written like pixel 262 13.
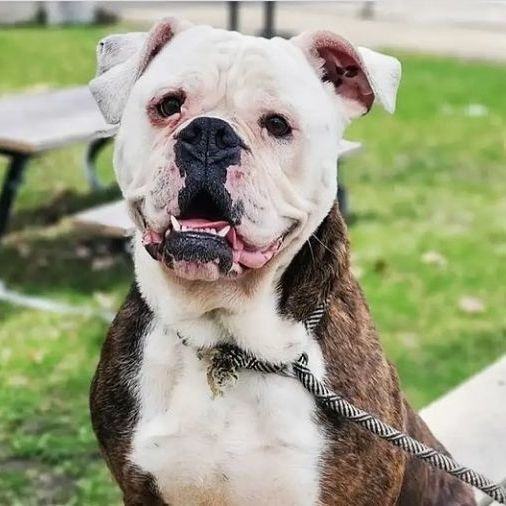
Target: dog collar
pixel 225 360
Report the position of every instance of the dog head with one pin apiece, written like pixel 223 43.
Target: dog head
pixel 227 144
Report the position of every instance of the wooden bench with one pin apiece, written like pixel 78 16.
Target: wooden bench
pixel 33 124
pixel 109 220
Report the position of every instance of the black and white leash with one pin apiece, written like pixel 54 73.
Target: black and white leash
pixel 226 360
pixel 343 408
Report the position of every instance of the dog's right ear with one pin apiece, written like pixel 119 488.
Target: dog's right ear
pixel 359 75
pixel 121 60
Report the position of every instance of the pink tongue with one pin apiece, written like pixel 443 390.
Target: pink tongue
pixel 253 259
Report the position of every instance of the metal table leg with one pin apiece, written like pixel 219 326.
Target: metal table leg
pixel 342 194
pixel 12 181
pixel 342 201
pixel 268 30
pixel 233 16
pixel 90 159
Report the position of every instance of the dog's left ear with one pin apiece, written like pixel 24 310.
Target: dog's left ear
pixel 359 75
pixel 121 60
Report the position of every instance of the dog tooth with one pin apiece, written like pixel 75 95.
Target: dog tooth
pixel 224 231
pixel 175 224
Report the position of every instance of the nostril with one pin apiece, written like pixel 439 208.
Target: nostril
pixel 220 139
pixel 226 138
pixel 209 134
pixel 192 133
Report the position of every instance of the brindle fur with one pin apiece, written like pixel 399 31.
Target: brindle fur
pixel 114 409
pixel 357 468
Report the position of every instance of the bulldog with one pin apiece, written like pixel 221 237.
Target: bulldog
pixel 226 154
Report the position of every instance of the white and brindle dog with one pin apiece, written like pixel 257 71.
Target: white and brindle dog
pixel 226 155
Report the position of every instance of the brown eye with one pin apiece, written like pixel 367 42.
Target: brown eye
pixel 169 106
pixel 276 125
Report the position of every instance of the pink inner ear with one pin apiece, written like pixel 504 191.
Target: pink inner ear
pixel 343 67
pixel 157 38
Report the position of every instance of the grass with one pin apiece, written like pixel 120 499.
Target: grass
pixel 428 206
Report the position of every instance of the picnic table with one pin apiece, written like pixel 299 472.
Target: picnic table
pixel 35 123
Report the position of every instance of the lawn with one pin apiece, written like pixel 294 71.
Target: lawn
pixel 427 231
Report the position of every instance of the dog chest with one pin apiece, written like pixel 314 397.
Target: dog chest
pixel 258 444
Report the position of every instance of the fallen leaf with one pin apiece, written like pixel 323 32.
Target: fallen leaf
pixel 434 258
pixel 357 271
pixel 410 340
pixel 476 110
pixel 83 251
pixel 471 305
pixel 102 263
pixel 105 300
pixel 18 381
pixel 24 250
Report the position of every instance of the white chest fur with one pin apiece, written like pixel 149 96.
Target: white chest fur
pixel 258 444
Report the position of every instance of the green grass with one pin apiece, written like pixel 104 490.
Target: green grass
pixel 431 179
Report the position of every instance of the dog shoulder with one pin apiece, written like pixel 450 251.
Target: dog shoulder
pixel 113 405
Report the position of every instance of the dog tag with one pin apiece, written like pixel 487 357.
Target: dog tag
pixel 222 369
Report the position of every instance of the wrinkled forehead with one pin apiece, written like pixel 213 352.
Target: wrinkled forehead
pixel 219 62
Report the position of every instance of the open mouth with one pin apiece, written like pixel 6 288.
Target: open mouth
pixel 202 245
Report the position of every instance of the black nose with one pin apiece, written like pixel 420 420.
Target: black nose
pixel 204 150
pixel 211 140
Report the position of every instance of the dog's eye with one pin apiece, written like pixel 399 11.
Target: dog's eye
pixel 276 125
pixel 169 105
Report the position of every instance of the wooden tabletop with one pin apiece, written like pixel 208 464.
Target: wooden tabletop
pixel 32 123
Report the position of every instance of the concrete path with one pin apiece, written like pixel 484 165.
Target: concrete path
pixel 401 32
pixel 471 421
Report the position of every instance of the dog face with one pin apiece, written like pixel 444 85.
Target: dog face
pixel 227 145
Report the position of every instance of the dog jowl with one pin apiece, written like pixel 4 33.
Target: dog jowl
pixel 226 155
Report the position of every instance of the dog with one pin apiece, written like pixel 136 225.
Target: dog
pixel 226 154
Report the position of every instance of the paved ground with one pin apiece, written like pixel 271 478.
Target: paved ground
pixel 471 421
pixel 426 32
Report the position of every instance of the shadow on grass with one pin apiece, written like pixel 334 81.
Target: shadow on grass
pixel 355 217
pixel 64 262
pixel 64 203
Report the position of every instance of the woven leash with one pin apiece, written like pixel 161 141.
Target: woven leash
pixel 342 407
pixel 226 360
